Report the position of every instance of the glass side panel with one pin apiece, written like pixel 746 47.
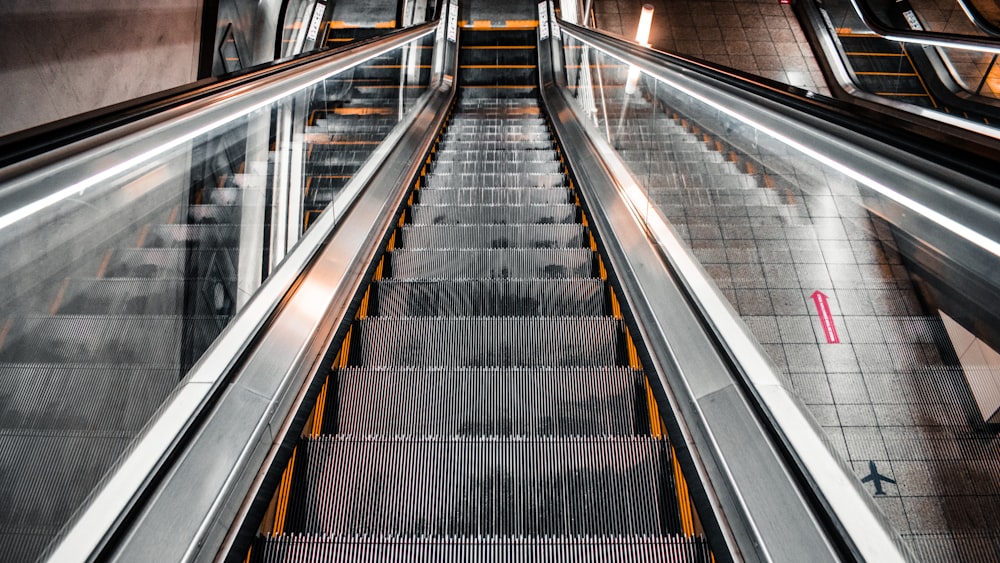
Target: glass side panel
pixel 888 337
pixel 116 285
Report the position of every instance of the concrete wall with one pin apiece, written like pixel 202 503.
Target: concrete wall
pixel 63 57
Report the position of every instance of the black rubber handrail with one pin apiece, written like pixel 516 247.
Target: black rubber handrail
pixel 23 145
pixel 923 37
pixel 978 19
pixel 955 148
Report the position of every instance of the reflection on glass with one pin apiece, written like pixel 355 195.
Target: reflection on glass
pixel 861 329
pixel 112 294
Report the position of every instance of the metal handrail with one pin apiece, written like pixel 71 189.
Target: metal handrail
pixel 924 37
pixel 117 495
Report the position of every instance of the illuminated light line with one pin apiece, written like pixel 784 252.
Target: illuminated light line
pixel 980 240
pixel 78 188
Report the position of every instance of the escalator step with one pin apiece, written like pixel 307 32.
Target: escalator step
pixel 492 263
pixel 128 296
pixel 297 548
pixel 46 477
pixel 493 236
pixel 105 339
pixel 110 398
pixel 203 236
pixel 480 486
pixel 509 154
pixel 476 298
pixel 494 196
pixel 549 165
pixel 487 341
pixel 526 180
pixel 538 144
pixel 173 263
pixel 492 214
pixel 491 402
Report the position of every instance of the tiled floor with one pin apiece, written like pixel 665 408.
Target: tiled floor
pixel 756 36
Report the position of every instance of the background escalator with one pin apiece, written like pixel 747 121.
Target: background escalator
pixel 80 375
pixel 488 400
pixel 884 68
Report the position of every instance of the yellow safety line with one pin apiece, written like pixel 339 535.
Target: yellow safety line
pixel 57 300
pixel 920 78
pixel 878 73
pixel 655 423
pixel 318 411
pixel 103 266
pixel 497 66
pixel 683 496
pixel 633 354
pixel 5 331
pixel 284 491
pixel 173 214
pixel 496 47
pixel 143 233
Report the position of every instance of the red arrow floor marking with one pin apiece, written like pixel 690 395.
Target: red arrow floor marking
pixel 825 317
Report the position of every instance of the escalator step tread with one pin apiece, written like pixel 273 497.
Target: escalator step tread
pixel 493 214
pixel 34 461
pixel 173 263
pixel 496 180
pixel 131 296
pixel 548 166
pixel 575 401
pixel 493 236
pixel 295 548
pixel 479 158
pixel 496 145
pixel 104 339
pixel 478 297
pixel 481 486
pixel 494 196
pixel 111 398
pixel 492 263
pixel 487 341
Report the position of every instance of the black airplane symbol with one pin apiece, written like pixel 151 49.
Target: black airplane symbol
pixel 877 478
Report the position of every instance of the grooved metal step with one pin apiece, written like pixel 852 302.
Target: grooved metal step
pixel 202 236
pixel 472 158
pixel 547 166
pixel 487 341
pixel 496 145
pixel 74 398
pixel 493 236
pixel 303 548
pixel 104 339
pixel 478 297
pixel 491 402
pixel 481 486
pixel 173 263
pixel 492 214
pixel 129 296
pixel 492 263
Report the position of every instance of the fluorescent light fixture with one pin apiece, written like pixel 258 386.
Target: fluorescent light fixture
pixel 642 38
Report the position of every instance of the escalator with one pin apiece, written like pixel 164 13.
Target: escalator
pixel 884 68
pixel 487 376
pixel 862 65
pixel 497 294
